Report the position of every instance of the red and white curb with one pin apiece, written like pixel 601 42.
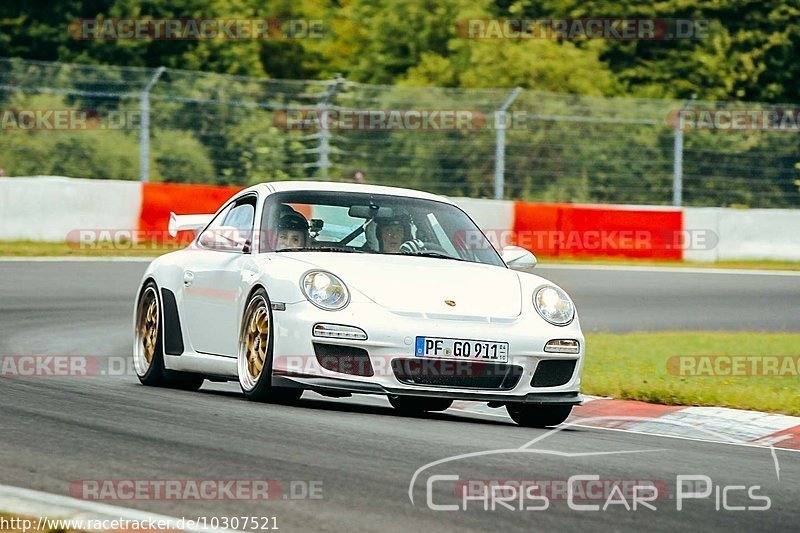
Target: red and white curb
pixel 732 425
pixel 40 507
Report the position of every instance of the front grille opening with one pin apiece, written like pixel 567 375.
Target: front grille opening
pixel 456 374
pixel 344 359
pixel 553 372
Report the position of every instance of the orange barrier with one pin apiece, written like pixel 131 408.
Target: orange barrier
pixel 561 230
pixel 534 225
pixel 567 230
pixel 158 199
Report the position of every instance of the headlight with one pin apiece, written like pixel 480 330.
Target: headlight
pixel 325 290
pixel 554 305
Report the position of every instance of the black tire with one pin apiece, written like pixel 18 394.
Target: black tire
pixel 538 416
pixel 416 405
pixel 259 388
pixel 156 375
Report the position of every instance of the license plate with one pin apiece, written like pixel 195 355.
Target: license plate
pixel 463 349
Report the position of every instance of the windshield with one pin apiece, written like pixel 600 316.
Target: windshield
pixel 326 221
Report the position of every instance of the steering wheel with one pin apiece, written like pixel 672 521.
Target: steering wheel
pixel 416 246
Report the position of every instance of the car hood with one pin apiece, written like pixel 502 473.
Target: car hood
pixel 409 284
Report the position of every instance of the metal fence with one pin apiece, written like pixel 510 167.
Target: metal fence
pixel 182 126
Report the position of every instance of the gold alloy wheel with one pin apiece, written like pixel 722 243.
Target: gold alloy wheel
pixel 148 325
pixel 256 341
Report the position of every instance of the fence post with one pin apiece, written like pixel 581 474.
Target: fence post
pixel 677 161
pixel 677 168
pixel 324 150
pixel 500 145
pixel 144 128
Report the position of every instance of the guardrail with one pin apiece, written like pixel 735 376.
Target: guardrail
pixel 53 208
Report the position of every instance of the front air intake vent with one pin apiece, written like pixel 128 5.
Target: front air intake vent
pixel 553 372
pixel 344 359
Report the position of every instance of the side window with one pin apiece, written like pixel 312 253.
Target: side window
pixel 232 229
pixel 242 215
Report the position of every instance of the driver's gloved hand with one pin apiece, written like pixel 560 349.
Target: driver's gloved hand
pixel 412 247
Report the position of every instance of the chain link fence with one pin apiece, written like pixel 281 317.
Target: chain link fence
pixel 196 127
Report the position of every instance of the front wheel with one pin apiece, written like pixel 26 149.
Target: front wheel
pixel 255 353
pixel 416 405
pixel 538 416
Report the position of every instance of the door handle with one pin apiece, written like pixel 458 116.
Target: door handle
pixel 188 278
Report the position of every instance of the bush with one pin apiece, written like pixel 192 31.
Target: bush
pixel 176 156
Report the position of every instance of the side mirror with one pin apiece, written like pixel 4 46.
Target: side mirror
pixel 518 258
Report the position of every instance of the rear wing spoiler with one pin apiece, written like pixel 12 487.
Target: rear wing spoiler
pixel 187 223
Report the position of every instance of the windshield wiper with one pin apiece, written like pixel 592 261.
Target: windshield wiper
pixel 323 249
pixel 437 255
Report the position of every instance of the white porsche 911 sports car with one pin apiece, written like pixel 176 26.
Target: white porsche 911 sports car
pixel 345 288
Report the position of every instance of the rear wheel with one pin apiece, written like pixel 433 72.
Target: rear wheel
pixel 416 405
pixel 148 354
pixel 538 416
pixel 255 353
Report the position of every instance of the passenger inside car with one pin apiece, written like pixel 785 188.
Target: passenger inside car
pixel 292 230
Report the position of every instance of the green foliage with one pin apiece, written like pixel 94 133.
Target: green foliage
pixel 98 152
pixel 178 157
pixel 84 154
pixel 747 52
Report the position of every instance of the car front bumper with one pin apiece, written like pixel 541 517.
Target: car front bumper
pixel 391 339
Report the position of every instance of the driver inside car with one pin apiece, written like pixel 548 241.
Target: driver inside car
pixel 394 236
pixel 292 231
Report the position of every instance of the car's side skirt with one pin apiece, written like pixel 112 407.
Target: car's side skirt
pixel 209 365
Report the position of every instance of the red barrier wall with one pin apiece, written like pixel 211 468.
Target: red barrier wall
pixel 560 230
pixel 567 230
pixel 534 225
pixel 158 199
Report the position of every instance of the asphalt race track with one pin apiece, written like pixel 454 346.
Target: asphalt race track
pixel 621 299
pixel 56 431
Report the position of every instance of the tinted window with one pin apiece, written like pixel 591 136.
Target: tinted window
pixel 372 223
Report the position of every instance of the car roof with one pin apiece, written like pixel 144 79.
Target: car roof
pixel 284 186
